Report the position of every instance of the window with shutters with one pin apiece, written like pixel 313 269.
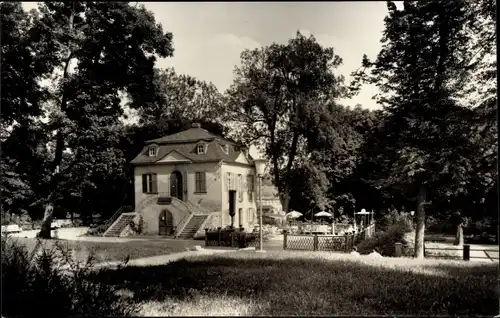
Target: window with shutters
pixel 250 215
pixel 229 181
pixel 240 188
pixel 149 183
pixel 200 182
pixel 250 187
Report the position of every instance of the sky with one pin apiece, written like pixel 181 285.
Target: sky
pixel 209 36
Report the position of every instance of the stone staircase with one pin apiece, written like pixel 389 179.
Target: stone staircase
pixel 192 226
pixel 119 225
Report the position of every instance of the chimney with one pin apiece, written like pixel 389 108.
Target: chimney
pixel 196 125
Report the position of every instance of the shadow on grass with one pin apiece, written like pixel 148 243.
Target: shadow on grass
pixel 295 286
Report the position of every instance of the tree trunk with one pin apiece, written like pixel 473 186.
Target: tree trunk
pixel 459 237
pixel 420 230
pixel 285 199
pixel 47 218
pixel 49 205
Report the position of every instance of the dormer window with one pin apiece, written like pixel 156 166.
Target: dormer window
pixel 225 148
pixel 200 149
pixel 152 151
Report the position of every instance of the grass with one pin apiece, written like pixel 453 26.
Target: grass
pixel 308 283
pixel 111 251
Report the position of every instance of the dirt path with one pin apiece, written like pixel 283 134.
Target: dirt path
pixel 165 259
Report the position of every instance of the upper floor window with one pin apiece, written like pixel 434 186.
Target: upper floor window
pixel 152 151
pixel 200 182
pixel 200 149
pixel 250 187
pixel 240 188
pixel 149 183
pixel 229 181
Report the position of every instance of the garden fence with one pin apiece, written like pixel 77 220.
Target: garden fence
pixel 341 243
pixel 465 253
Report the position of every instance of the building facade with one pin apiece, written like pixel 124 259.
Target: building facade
pixel 194 172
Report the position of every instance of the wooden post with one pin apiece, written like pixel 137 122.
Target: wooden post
pixel 399 249
pixel 285 235
pixel 206 237
pixel 315 242
pixel 466 252
pixel 347 242
pixel 218 236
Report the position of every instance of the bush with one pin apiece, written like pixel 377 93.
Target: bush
pixel 97 231
pixel 51 281
pixel 384 242
pixel 138 227
pixel 394 217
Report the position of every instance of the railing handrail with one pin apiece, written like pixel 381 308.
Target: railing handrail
pixel 115 216
pixel 182 225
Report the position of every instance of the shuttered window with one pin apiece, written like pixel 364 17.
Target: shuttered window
pixel 240 188
pixel 200 182
pixel 149 183
pixel 250 187
pixel 251 216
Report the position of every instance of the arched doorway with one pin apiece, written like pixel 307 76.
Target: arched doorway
pixel 176 185
pixel 166 223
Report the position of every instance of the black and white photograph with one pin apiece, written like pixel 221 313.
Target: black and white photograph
pixel 249 158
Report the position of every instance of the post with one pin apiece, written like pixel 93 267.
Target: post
pixel 285 234
pixel 218 236
pixel 347 242
pixel 315 242
pixel 466 252
pixel 206 237
pixel 260 212
pixel 399 249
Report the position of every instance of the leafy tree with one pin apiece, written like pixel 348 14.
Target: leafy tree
pixel 329 174
pixel 281 100
pixel 23 66
pixel 425 130
pixel 181 97
pixel 97 52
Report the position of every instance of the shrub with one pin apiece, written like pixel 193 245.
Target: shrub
pixel 138 227
pixel 50 281
pixel 383 242
pixel 98 230
pixel 394 217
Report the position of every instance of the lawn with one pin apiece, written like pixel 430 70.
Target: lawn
pixel 308 283
pixel 111 251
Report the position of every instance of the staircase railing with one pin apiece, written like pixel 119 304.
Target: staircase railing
pixel 182 224
pixel 116 215
pixel 196 208
pixel 204 223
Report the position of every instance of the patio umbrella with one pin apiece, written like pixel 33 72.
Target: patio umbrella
pixel 323 213
pixel 293 214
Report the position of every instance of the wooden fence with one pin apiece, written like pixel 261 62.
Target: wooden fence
pixel 341 243
pixel 459 253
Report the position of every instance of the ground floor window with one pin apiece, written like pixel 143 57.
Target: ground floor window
pixel 251 215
